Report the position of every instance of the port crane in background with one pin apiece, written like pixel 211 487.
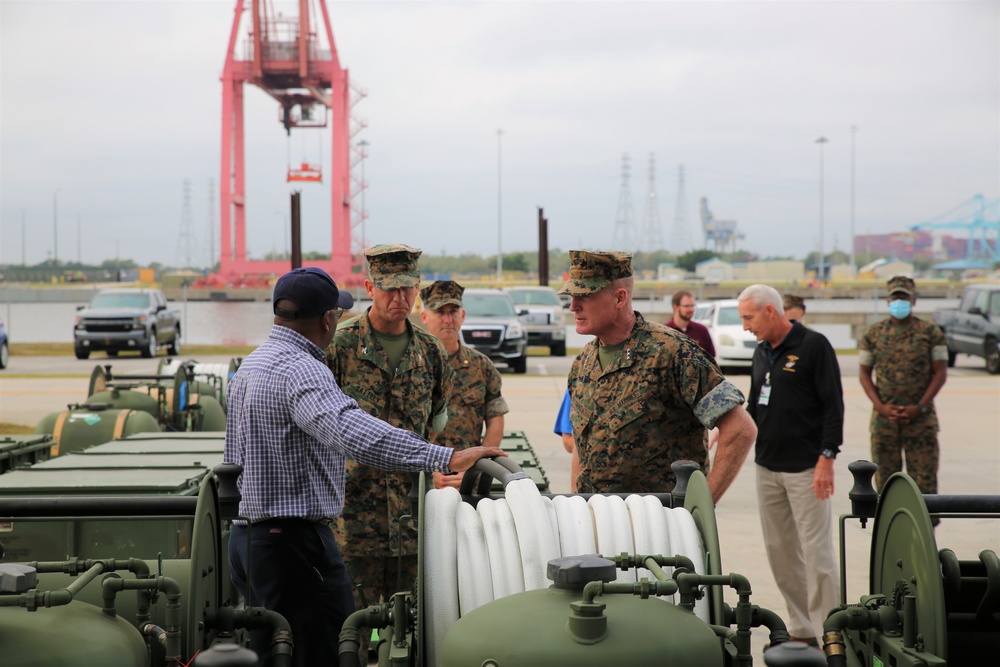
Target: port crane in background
pixel 720 233
pixel 981 219
pixel 294 60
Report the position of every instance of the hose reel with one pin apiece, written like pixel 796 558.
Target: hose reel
pixel 490 547
pixel 925 606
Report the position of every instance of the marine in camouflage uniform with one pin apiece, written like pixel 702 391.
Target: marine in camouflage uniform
pixel 476 399
pixel 644 402
pixel 909 357
pixel 409 395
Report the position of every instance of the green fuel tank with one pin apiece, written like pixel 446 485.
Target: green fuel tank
pixel 77 634
pixel 128 400
pixel 553 627
pixel 85 425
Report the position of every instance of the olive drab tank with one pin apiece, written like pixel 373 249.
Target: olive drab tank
pixel 551 627
pixel 82 426
pixel 123 405
pixel 77 634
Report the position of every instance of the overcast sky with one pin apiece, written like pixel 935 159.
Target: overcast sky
pixel 114 104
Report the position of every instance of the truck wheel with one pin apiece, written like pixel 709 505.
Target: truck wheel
pixel 81 353
pixel 520 365
pixel 3 355
pixel 951 358
pixel 558 350
pixel 992 356
pixel 174 346
pixel 150 350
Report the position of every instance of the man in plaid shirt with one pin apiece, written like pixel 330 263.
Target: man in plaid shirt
pixel 291 428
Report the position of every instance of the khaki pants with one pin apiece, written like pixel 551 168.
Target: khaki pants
pixel 798 535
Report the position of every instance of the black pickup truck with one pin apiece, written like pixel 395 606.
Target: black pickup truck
pixel 127 319
pixel 974 328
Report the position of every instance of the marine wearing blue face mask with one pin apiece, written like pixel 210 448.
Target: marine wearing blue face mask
pixel 900 309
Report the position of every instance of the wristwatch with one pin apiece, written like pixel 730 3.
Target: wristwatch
pixel 924 407
pixel 829 454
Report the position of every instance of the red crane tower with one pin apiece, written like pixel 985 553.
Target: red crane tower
pixel 285 58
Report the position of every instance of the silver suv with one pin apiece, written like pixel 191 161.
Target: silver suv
pixel 541 312
pixel 492 327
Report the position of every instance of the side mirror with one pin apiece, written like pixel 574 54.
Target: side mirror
pixel 80 307
pixel 161 307
pixel 522 311
pixel 976 310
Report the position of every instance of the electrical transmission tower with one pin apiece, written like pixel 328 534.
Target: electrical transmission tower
pixel 625 237
pixel 185 236
pixel 681 241
pixel 652 233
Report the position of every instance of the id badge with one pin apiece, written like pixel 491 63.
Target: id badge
pixel 765 395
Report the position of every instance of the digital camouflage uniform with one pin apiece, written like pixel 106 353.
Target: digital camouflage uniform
pixel 475 381
pixel 475 398
pixel 902 355
pixel 368 530
pixel 648 408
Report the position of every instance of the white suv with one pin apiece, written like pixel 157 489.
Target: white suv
pixel 541 313
pixel 733 345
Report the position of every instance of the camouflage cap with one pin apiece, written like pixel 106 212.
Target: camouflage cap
pixel 393 265
pixel 901 284
pixel 590 272
pixel 441 293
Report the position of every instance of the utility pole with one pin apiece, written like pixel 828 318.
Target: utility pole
pixel 499 210
pixel 681 242
pixel 822 273
pixel 79 242
pixel 652 233
pixel 23 262
pixel 211 228
pixel 854 265
pixel 55 227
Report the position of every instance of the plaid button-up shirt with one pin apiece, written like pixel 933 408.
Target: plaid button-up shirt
pixel 291 427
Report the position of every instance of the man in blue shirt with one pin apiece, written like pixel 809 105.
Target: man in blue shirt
pixel 564 428
pixel 291 428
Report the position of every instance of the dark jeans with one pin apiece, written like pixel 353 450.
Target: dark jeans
pixel 297 571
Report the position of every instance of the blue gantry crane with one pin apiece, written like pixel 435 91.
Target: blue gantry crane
pixel 981 219
pixel 723 234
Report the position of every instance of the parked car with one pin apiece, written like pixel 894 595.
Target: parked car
pixel 492 327
pixel 4 350
pixel 127 319
pixel 974 328
pixel 733 346
pixel 541 313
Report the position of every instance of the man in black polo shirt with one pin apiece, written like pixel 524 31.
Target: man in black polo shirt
pixel 797 402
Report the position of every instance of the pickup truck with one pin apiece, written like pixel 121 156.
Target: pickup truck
pixel 126 319
pixel 974 328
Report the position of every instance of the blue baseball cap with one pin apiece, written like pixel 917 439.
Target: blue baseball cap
pixel 313 292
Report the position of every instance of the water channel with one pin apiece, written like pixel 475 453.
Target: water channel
pixel 248 322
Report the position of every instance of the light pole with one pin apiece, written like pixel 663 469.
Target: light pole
pixel 854 264
pixel 821 273
pixel 55 227
pixel 499 211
